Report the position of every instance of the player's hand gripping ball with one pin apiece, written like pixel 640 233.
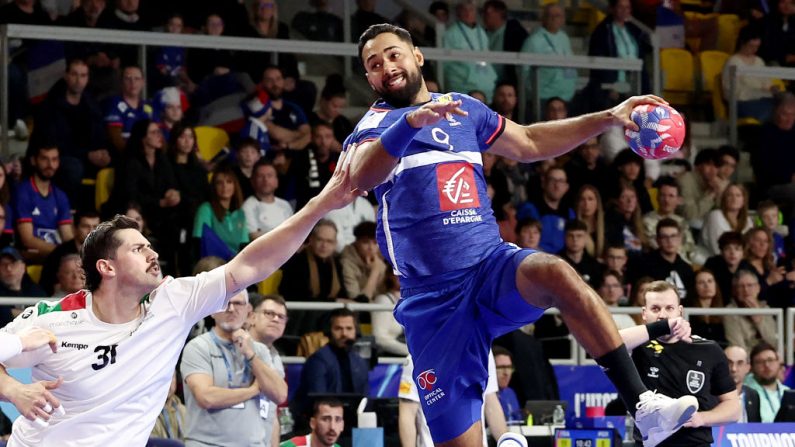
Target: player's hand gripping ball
pixel 661 134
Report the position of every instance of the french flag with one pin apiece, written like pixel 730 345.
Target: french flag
pixel 46 65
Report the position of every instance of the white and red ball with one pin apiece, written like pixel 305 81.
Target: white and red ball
pixel 661 134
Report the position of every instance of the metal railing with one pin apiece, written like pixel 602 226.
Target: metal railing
pixel 735 71
pixel 144 39
pixel 785 324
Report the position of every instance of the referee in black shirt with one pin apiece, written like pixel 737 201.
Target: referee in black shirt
pixel 673 363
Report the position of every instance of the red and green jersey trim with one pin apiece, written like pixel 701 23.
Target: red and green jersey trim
pixel 74 301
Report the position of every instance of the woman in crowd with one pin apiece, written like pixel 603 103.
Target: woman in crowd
pixel 707 296
pixel 624 224
pixel 731 216
pixel 754 94
pixel 589 209
pixel 222 215
pixel 759 254
pixel 388 333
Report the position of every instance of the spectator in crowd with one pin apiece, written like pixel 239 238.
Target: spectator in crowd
pixel 615 36
pixel 516 178
pixel 778 37
pixel 226 378
pixel 148 178
pixel 551 38
pixel 510 404
pixel 759 254
pixel 313 274
pixel 329 110
pixel 170 104
pixel 41 210
pixel 125 15
pixel 550 209
pixel 739 367
pixel 172 421
pixel 754 95
pixel 588 208
pixel 247 154
pixel 612 293
pixel 707 296
pixel 623 223
pixel 638 298
pixel 770 219
pixel 665 263
pixel 363 268
pixel 348 217
pixel 84 223
pixel 334 368
pixel 264 211
pixel 668 199
pixel 587 166
pixel 319 24
pixel 440 10
pixel 86 15
pixel 764 379
pixel 730 260
pixel 266 324
pixel 504 35
pixel 121 112
pixel 191 182
pixel 169 62
pixel 288 128
pixel 701 188
pixel 774 167
pixel 505 101
pixel 71 116
pixel 575 240
pixel 265 23
pixel 627 169
pixel 70 276
pixel 729 158
pixel 257 110
pixel 388 333
pixel 15 282
pixel 327 424
pixel 364 17
pixel 748 331
pixel 555 109
pixel 528 233
pixel 310 169
pixel 465 34
pixel 222 213
pixel 616 257
pixel 731 216
pixel 204 63
pixel 497 180
pixel 101 57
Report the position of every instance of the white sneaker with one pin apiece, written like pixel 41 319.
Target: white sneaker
pixel 509 439
pixel 659 416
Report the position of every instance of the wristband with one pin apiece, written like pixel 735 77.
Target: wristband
pixel 398 136
pixel 658 329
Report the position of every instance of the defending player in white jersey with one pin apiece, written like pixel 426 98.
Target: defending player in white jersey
pixel 119 340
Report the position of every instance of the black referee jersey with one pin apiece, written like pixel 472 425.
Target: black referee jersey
pixel 678 369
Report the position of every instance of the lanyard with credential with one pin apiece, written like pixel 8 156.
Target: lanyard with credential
pixel 469 42
pixel 246 371
pixel 779 393
pixel 549 41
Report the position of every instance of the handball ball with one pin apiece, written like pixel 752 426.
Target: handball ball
pixel 661 134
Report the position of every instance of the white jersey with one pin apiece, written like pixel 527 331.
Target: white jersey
pixel 408 391
pixel 10 346
pixel 116 376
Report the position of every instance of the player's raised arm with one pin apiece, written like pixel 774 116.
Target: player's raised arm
pixel 268 252
pixel 550 139
pixel 373 161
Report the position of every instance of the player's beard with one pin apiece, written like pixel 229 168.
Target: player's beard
pixel 405 96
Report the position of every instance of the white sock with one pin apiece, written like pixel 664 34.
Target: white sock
pixel 509 439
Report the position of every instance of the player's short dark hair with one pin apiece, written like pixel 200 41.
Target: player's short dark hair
pixel 661 286
pixel 667 223
pixel 365 230
pixel 730 238
pixel 332 402
pixel 729 150
pixel 375 30
pixel 499 350
pixel 667 181
pixel 708 155
pixel 102 243
pixel 761 347
pixel 575 225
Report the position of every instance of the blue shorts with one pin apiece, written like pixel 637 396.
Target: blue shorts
pixel 449 330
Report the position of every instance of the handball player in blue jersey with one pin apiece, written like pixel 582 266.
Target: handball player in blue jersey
pixel 462 286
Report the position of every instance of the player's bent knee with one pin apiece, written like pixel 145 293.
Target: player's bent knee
pixel 547 270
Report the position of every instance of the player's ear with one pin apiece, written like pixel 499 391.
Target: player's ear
pixel 418 56
pixel 105 268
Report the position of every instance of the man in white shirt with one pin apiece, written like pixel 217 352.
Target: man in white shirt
pixel 264 211
pixel 120 338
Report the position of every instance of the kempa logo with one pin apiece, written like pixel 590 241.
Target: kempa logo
pixel 78 346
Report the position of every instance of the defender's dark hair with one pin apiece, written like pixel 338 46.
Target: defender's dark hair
pixel 102 243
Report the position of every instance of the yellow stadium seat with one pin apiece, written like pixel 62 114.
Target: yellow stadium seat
pixel 679 80
pixel 710 65
pixel 34 271
pixel 210 141
pixel 719 108
pixel 270 285
pixel 104 186
pixel 728 29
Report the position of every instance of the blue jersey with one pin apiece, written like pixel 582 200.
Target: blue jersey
pixel 435 216
pixel 120 114
pixel 46 213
